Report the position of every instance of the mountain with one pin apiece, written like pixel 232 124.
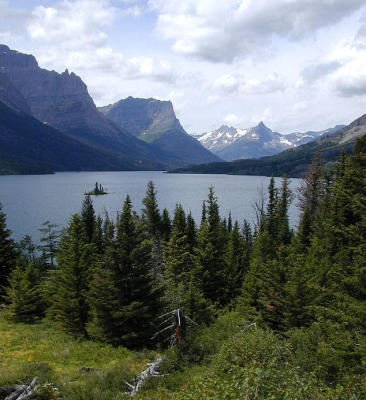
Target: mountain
pixel 28 146
pixel 11 96
pixel 63 102
pixel 231 143
pixel 293 162
pixel 155 122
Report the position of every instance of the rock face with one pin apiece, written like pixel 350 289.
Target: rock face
pixel 63 102
pixel 29 146
pixel 11 96
pixel 155 122
pixel 231 143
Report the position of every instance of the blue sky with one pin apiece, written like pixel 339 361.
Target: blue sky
pixel 295 64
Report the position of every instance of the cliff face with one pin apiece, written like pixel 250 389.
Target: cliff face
pixel 60 100
pixel 155 122
pixel 63 102
pixel 10 96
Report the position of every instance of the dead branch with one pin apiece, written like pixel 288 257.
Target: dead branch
pixel 150 372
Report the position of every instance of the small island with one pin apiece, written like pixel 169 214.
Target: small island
pixel 98 190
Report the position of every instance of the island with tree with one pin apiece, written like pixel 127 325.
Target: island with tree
pixel 97 190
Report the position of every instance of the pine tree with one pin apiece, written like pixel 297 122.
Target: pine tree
pixel 151 221
pixel 271 217
pixel 235 265
pixel 124 315
pixel 166 225
pixel 179 220
pixel 151 212
pixel 191 232
pixel 75 260
pixel 24 294
pixel 8 254
pixel 49 239
pixel 283 203
pixel 88 219
pixel 310 194
pixel 209 261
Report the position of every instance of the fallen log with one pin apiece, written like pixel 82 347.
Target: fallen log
pixel 150 372
pixel 23 392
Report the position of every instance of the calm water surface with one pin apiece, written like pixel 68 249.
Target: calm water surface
pixel 29 200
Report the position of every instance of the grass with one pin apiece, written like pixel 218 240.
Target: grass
pixel 81 369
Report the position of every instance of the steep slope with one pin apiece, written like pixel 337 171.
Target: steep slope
pixel 154 121
pixel 63 102
pixel 220 138
pixel 28 146
pixel 293 162
pixel 11 96
pixel 231 143
pixel 256 142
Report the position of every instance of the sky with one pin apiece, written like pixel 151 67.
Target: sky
pixel 296 65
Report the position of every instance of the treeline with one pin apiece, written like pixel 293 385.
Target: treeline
pixel 111 279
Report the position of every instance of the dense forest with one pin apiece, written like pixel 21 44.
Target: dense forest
pixel 277 314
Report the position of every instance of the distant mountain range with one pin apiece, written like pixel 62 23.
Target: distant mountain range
pixel 62 102
pixel 155 122
pixel 294 161
pixel 231 143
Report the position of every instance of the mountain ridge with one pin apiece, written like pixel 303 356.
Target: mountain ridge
pixel 293 162
pixel 154 121
pixel 231 143
pixel 63 102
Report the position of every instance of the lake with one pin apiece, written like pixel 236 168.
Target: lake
pixel 29 200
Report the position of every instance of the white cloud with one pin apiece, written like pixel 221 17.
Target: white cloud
pixel 228 83
pixel 314 72
pixel 77 31
pixel 222 31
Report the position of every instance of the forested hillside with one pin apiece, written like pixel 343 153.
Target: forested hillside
pixel 276 314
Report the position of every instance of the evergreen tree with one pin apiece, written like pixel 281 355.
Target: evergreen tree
pixel 151 221
pixel 271 217
pixel 191 232
pixel 88 218
pixel 8 254
pixel 284 200
pixel 179 220
pixel 310 194
pixel 166 225
pixel 24 295
pixel 151 212
pixel 49 239
pixel 124 315
pixel 209 261
pixel 75 260
pixel 235 264
pixel 203 212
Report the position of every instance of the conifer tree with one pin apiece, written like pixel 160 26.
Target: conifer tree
pixel 166 225
pixel 283 203
pixel 235 264
pixel 179 220
pixel 209 254
pixel 151 221
pixel 191 232
pixel 125 314
pixel 24 294
pixel 75 260
pixel 88 218
pixel 203 212
pixel 310 194
pixel 49 240
pixel 8 254
pixel 271 217
pixel 151 213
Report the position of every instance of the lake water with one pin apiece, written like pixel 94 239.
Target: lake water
pixel 29 200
